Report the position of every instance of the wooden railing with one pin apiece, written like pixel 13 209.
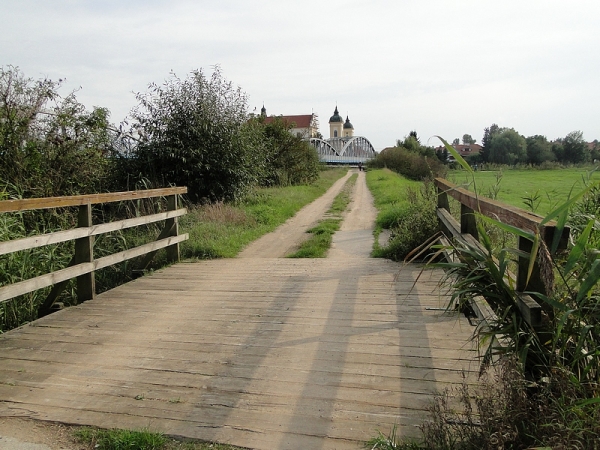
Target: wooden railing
pixel 83 265
pixel 466 231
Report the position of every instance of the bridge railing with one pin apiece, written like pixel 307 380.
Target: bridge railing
pixel 83 264
pixel 465 230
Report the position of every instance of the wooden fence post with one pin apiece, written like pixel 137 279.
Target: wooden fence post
pixel 468 223
pixel 173 226
pixel 442 200
pixel 84 252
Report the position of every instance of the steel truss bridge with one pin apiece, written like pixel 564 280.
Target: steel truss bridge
pixel 344 150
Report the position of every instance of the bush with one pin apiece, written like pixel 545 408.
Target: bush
pixel 50 146
pixel 410 164
pixel 507 411
pixel 193 132
pixel 414 224
pixel 290 160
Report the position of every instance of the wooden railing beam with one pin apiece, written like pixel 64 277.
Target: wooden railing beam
pixel 91 199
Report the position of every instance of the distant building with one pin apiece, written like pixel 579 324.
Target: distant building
pixel 463 150
pixel 338 128
pixel 305 126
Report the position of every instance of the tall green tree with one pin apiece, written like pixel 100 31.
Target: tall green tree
pixel 539 149
pixel 486 142
pixel 576 150
pixel 507 147
pixel 467 139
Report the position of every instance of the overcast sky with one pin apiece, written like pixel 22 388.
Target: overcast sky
pixel 439 67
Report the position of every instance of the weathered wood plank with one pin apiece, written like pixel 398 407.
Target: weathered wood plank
pixel 76 233
pixel 246 352
pixel 78 200
pixel 23 287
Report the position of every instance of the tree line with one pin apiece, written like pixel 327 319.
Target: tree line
pixel 193 131
pixel 503 145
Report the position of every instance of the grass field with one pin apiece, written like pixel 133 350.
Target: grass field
pixel 550 187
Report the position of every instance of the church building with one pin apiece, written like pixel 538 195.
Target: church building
pixel 338 128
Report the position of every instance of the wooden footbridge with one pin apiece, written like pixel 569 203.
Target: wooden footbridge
pixel 260 352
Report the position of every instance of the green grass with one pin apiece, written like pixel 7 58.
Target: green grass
pixel 222 230
pixel 391 442
pixel 322 235
pixel 551 186
pixel 389 192
pixel 400 204
pixel 116 439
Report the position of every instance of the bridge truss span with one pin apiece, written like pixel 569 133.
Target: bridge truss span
pixel 344 150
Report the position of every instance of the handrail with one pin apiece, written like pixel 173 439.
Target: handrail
pixel 507 214
pixel 83 265
pixel 466 231
pixel 88 199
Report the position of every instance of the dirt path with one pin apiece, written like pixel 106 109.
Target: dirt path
pixel 286 238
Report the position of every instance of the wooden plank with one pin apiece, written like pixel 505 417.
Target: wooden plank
pixel 23 287
pixel 76 233
pixel 78 200
pixel 262 353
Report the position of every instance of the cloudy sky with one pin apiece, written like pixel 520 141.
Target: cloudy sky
pixel 440 67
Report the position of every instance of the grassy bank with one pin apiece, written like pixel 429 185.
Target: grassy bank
pixel 544 189
pixel 221 230
pixel 405 209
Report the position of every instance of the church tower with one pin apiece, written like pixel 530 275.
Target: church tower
pixel 336 123
pixel 348 128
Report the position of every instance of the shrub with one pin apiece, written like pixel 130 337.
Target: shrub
pixel 290 160
pixel 410 164
pixel 508 411
pixel 50 146
pixel 414 224
pixel 193 132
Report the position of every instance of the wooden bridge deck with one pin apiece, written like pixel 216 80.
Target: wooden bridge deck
pixel 258 351
pixel 264 353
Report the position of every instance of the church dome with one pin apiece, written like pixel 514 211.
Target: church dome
pixel 348 125
pixel 336 116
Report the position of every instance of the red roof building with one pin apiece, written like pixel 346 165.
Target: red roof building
pixel 303 125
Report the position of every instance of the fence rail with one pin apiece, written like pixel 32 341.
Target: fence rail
pixel 83 265
pixel 466 231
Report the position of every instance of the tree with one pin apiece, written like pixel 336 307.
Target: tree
pixel 559 150
pixel 507 147
pixel 50 145
pixel 467 139
pixel 192 133
pixel 575 148
pixel 456 142
pixel 488 134
pixel 595 151
pixel 412 143
pixel 289 159
pixel 539 150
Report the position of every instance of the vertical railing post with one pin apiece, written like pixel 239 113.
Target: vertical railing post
pixel 84 252
pixel 468 222
pixel 535 281
pixel 442 199
pixel 173 226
